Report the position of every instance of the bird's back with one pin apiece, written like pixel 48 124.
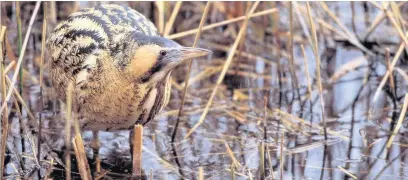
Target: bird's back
pixel 105 28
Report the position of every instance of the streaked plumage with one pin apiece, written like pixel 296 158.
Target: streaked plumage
pixel 119 65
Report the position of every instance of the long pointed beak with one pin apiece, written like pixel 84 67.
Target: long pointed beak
pixel 189 52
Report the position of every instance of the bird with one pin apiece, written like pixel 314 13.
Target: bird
pixel 119 64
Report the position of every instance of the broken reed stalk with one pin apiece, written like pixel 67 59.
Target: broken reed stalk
pixel 200 173
pixel 68 126
pixel 318 74
pixel 77 142
pixel 137 151
pixel 4 118
pixel 388 73
pixel 21 55
pixel 224 70
pixel 170 22
pixel 80 155
pixel 222 23
pixel 261 150
pixel 399 123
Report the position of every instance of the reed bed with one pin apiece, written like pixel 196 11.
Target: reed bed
pixel 292 90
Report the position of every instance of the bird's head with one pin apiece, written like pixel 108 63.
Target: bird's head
pixel 156 56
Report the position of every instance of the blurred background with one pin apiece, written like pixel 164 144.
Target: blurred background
pixel 311 93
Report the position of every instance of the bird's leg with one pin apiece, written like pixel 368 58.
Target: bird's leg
pixel 95 145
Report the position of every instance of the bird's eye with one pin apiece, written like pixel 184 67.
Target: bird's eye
pixel 163 53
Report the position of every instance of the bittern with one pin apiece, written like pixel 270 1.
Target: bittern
pixel 119 65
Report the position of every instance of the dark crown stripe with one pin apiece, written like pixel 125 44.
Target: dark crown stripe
pixel 76 33
pixel 98 19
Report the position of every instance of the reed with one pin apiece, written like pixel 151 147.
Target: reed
pixel 224 70
pixel 4 112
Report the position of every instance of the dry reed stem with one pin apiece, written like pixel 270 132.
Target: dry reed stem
pixel 200 173
pixel 397 27
pixel 190 62
pixel 224 70
pixel 234 160
pixel 352 37
pixel 402 73
pixel 376 22
pixel 20 99
pixel 80 155
pixel 21 54
pixel 193 31
pixel 302 22
pixel 78 144
pixel 237 116
pixel 305 62
pixel 262 159
pixel 388 73
pixel 137 150
pixel 310 146
pixel 395 9
pixel 8 68
pixel 160 9
pixel 318 74
pixel 4 124
pixel 170 22
pixel 347 67
pixel 68 126
pixel 400 119
pixel 245 54
pixel 376 5
pixel 301 121
pixel 347 172
pixel 101 175
pixel 233 171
